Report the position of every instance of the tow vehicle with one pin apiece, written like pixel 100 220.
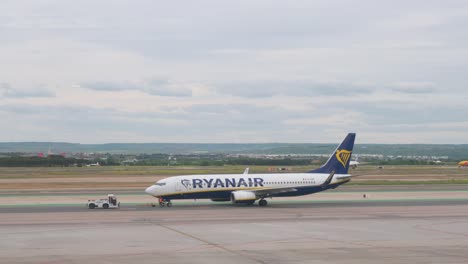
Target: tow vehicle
pixel 105 203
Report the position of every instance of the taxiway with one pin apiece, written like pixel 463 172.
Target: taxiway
pixel 285 232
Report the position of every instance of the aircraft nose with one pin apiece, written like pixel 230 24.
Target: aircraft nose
pixel 150 190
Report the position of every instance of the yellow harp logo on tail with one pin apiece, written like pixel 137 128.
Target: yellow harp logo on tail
pixel 343 156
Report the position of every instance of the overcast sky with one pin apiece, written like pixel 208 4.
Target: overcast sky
pixel 234 71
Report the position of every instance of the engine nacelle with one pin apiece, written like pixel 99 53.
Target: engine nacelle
pixel 243 197
pixel 221 199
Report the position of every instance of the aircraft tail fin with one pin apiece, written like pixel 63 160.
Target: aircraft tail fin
pixel 339 160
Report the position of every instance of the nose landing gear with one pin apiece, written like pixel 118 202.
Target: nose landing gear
pixel 163 203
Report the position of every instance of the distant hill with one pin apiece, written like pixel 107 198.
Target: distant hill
pixel 452 151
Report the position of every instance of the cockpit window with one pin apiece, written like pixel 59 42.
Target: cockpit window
pixel 160 183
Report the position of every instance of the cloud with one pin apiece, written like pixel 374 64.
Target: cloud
pixel 297 87
pixel 110 86
pixel 163 87
pixel 159 87
pixel 8 92
pixel 234 72
pixel 414 87
pixel 382 115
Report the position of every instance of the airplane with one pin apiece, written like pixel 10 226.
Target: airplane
pixel 354 163
pixel 247 188
pixel 93 164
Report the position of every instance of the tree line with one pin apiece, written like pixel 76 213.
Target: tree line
pixel 59 161
pixel 51 161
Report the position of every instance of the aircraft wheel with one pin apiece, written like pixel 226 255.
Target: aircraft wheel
pixel 262 202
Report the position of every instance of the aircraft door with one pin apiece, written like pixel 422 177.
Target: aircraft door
pixel 178 186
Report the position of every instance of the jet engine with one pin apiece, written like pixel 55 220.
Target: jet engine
pixel 243 197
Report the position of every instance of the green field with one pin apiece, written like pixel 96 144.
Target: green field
pixel 125 171
pixel 368 174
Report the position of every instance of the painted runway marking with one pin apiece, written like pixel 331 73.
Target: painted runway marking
pixel 236 253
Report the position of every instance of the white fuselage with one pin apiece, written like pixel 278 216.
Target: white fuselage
pixel 221 185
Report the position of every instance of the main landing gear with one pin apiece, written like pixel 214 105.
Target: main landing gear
pixel 163 203
pixel 262 202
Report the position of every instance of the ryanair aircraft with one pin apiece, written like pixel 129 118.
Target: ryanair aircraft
pixel 247 188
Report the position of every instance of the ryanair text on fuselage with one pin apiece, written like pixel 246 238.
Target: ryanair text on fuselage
pixel 223 183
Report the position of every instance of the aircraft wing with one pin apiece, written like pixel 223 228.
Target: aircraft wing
pixel 269 192
pixel 351 176
pixel 356 175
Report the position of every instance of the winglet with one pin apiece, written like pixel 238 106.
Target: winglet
pixel 329 179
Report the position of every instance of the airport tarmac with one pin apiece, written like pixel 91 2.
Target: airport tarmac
pixel 79 197
pixel 287 231
pixel 140 190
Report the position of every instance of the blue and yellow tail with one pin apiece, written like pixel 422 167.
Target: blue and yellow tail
pixel 339 160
